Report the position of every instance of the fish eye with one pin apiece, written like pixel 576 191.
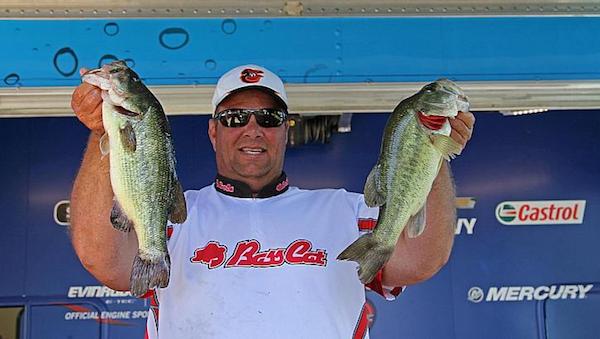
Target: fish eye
pixel 429 88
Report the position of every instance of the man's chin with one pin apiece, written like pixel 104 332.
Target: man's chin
pixel 252 173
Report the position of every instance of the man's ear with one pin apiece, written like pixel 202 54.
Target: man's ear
pixel 212 133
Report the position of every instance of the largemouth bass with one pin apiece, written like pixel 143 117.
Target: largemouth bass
pixel 142 170
pixel 415 142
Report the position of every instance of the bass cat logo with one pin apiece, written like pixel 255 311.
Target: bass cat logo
pixel 248 253
pixel 250 75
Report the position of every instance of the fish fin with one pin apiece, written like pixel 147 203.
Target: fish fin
pixel 370 255
pixel 416 223
pixel 118 219
pixel 128 138
pixel 104 144
pixel 446 145
pixel 374 195
pixel 148 273
pixel 178 210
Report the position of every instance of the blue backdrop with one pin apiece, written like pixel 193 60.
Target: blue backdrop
pixel 550 156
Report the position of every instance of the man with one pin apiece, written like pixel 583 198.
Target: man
pixel 256 258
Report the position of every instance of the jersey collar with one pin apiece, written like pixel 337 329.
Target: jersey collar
pixel 240 189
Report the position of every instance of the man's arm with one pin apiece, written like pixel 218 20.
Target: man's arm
pixel 418 259
pixel 104 251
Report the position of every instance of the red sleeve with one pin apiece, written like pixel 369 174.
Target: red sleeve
pixel 388 292
pixel 148 294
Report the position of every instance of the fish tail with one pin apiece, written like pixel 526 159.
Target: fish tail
pixel 149 272
pixel 370 255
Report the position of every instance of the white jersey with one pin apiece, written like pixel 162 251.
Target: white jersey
pixel 265 267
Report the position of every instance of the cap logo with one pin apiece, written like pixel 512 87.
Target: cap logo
pixel 250 75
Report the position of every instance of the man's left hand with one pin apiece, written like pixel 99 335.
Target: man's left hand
pixel 462 127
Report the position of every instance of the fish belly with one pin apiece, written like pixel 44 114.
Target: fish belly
pixel 412 165
pixel 140 182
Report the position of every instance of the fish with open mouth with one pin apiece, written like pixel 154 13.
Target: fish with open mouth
pixel 415 142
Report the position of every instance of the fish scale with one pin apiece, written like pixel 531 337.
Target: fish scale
pixel 411 154
pixel 421 157
pixel 143 199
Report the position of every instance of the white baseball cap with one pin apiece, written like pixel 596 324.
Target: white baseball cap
pixel 248 76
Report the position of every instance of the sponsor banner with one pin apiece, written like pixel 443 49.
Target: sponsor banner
pixel 527 293
pixel 95 292
pixel 466 224
pixel 62 212
pixel 465 202
pixel 542 212
pixel 106 315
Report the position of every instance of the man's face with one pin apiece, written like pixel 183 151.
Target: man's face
pixel 250 153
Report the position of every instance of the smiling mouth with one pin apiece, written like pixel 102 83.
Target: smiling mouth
pixel 252 150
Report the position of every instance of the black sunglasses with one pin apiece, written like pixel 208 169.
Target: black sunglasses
pixel 239 117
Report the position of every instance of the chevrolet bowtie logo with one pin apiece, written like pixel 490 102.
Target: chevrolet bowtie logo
pixel 465 202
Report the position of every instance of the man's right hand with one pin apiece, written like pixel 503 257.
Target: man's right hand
pixel 86 102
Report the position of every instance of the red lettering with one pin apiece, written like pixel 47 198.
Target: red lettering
pixel 296 250
pixel 272 257
pixel 567 212
pixel 243 254
pixel 282 185
pixel 276 257
pixel 551 211
pixel 558 213
pixel 575 212
pixel 227 188
pixel 299 252
pixel 543 214
pixel 535 213
pixel 523 212
pixel 247 254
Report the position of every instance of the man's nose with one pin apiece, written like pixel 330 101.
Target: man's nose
pixel 253 129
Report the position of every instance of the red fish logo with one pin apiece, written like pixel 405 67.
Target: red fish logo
pixel 213 255
pixel 250 75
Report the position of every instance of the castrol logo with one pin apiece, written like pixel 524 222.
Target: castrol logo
pixel 543 212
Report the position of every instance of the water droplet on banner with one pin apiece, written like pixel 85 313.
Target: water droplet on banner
pixel 12 79
pixel 228 26
pixel 210 64
pixel 174 38
pixel 111 29
pixel 65 61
